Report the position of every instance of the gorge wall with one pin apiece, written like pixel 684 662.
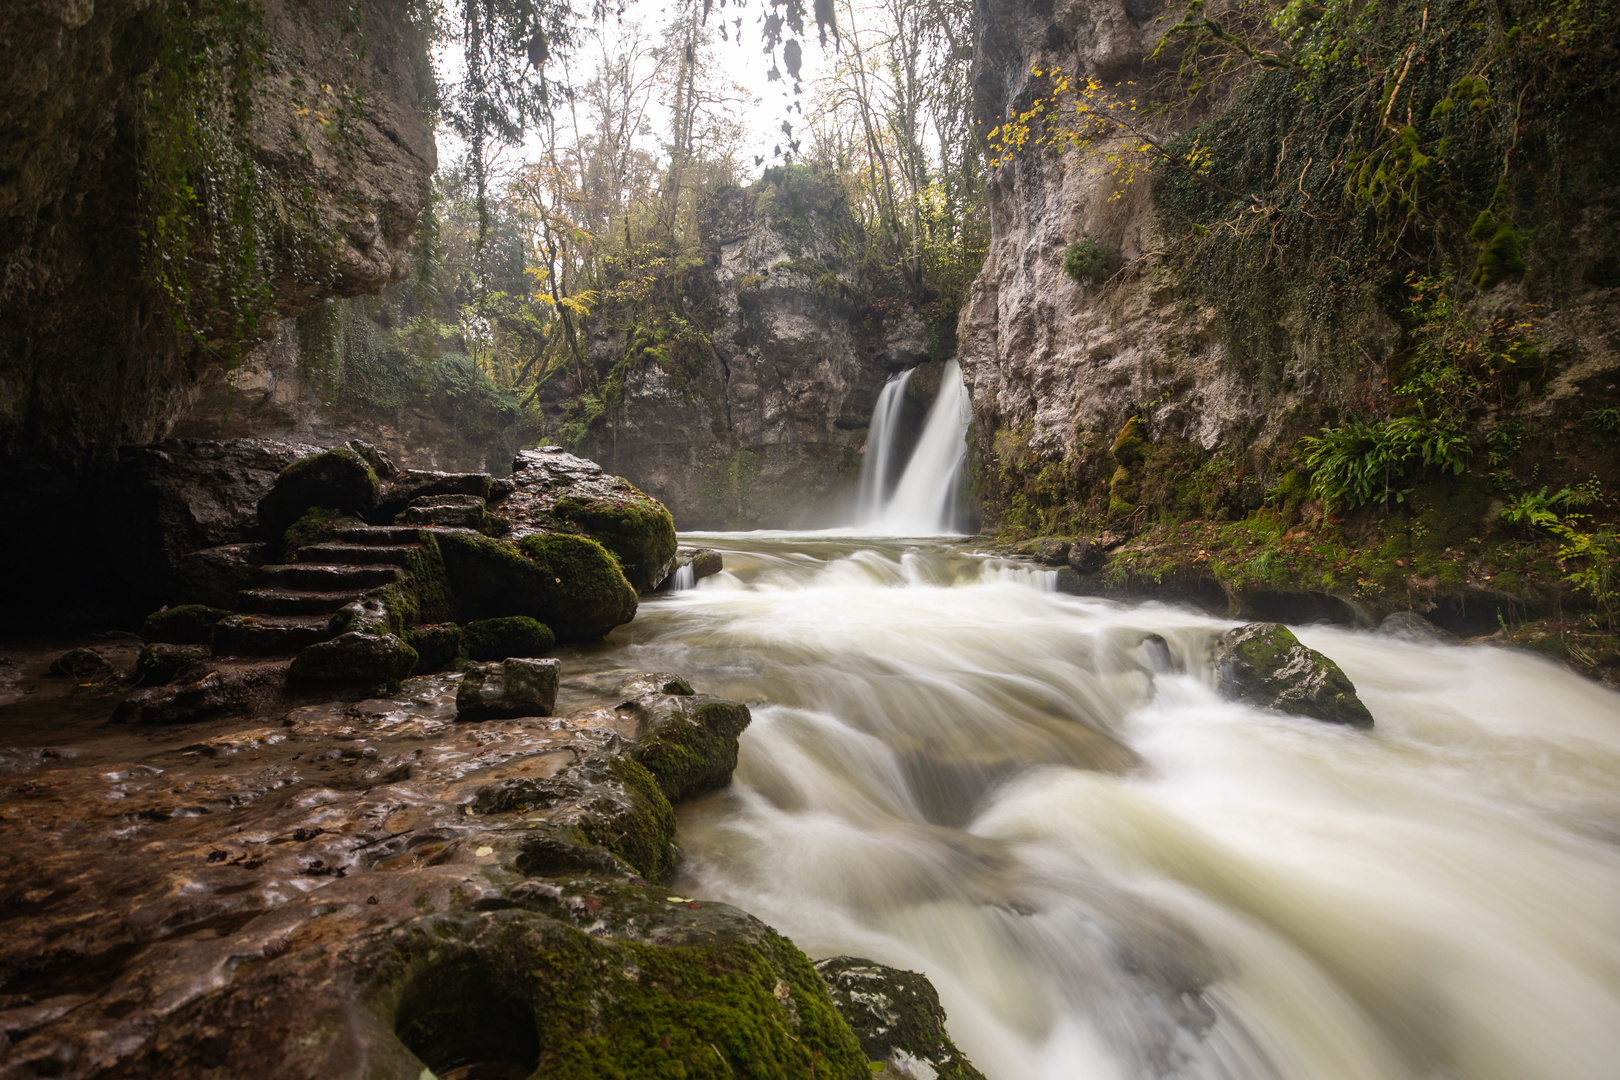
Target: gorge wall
pixel 1304 271
pixel 744 400
pixel 178 176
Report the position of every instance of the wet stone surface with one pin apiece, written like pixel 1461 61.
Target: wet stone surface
pixel 265 895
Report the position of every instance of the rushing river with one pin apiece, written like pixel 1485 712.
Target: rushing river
pixel 1110 872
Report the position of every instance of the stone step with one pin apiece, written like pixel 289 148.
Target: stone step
pixel 357 554
pixel 329 577
pixel 295 601
pixel 268 635
pixel 375 535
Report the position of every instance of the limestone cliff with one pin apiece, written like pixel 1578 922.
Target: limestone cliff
pixel 176 175
pixel 757 418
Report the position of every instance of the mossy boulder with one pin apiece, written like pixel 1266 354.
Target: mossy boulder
pixel 337 479
pixel 605 801
pixel 356 657
pixel 316 525
pixel 1131 445
pixel 636 528
pixel 183 624
pixel 511 635
pixel 602 980
pixel 569 583
pixel 159 663
pixel 897 1016
pixel 437 646
pixel 688 743
pixel 1264 664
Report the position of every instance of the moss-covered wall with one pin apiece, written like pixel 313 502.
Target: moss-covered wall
pixel 174 175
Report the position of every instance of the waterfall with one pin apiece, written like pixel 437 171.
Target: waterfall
pixel 924 501
pixel 880 445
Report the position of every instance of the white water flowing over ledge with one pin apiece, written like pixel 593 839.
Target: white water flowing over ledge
pixel 924 501
pixel 1109 872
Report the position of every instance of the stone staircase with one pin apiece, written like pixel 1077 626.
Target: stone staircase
pixel 293 608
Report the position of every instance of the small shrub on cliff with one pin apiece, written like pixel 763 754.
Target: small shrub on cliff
pixel 1362 461
pixel 1088 261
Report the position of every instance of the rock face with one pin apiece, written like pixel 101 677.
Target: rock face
pixel 762 422
pixel 897 1016
pixel 370 889
pixel 1266 665
pixel 89 358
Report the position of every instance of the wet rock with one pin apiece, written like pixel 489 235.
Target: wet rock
pixel 705 563
pixel 1266 665
pixel 417 485
pixel 159 663
pixel 369 615
pixel 555 491
pixel 83 666
pixel 1411 626
pixel 214 576
pixel 358 657
pixel 437 646
pixel 511 687
pixel 1086 556
pixel 337 479
pixel 184 624
pixel 230 691
pixel 1053 552
pixel 445 511
pixel 687 743
pixel 514 635
pixel 569 583
pixel 897 1016
pixel 185 495
pixel 376 457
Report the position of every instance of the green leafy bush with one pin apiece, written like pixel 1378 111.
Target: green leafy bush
pixel 1362 461
pixel 1088 261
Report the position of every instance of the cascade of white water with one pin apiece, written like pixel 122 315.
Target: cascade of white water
pixel 880 445
pixel 924 501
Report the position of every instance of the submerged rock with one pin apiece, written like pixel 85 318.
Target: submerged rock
pixel 1411 626
pixel 516 686
pixel 1264 664
pixel 227 691
pixel 897 1016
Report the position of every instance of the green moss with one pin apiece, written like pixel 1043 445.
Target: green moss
pixel 318 525
pixel 691 748
pixel 645 836
pixel 637 529
pixel 569 583
pixel 437 646
pixel 512 635
pixel 337 479
pixel 1131 445
pixel 720 998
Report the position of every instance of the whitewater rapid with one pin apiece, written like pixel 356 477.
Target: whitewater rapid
pixel 1110 872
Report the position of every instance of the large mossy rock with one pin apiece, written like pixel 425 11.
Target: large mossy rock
pixel 512 635
pixel 337 479
pixel 1264 664
pixel 897 1016
pixel 569 583
pixel 553 491
pixel 688 743
pixel 606 980
pixel 356 657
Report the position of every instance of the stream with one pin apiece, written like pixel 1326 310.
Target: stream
pixel 1110 872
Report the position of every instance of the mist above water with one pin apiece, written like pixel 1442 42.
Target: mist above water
pixel 1108 871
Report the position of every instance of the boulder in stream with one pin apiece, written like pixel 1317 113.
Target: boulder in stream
pixel 898 1018
pixel 1264 664
pixel 688 742
pixel 357 657
pixel 513 635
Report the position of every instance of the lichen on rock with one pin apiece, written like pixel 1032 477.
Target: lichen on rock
pixel 1266 665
